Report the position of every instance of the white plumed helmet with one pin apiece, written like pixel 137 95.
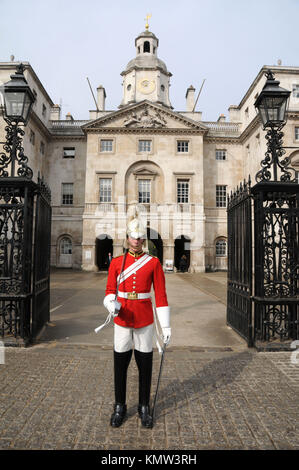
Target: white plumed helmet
pixel 136 229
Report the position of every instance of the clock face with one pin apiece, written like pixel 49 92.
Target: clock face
pixel 146 86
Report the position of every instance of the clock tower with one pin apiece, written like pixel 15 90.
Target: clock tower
pixel 146 77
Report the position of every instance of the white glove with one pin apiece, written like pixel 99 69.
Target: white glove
pixel 112 305
pixel 163 314
pixel 166 332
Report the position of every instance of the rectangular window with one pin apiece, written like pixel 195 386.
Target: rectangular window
pixel 296 91
pixel 182 191
pixel 32 137
pixel 67 194
pixel 183 146
pixel 220 248
pixel 42 148
pixel 144 146
pixel 106 145
pixel 220 154
pixel 105 189
pixel 69 152
pixel 296 133
pixel 144 191
pixel 220 195
pixel 44 110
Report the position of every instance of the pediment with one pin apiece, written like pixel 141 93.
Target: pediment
pixel 144 115
pixel 144 172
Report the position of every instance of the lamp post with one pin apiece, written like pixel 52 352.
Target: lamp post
pixel 271 105
pixel 18 100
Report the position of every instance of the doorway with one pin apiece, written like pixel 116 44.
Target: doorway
pixel 104 246
pixel 155 244
pixel 182 253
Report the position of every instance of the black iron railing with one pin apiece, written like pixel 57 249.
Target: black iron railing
pixel 268 308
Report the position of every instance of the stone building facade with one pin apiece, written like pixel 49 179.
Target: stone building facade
pixel 175 168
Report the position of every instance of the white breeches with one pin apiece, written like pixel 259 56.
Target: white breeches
pixel 140 338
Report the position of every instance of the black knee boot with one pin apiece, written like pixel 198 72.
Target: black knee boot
pixel 121 364
pixel 145 364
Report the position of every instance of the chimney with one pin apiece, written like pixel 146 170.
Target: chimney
pixel 221 118
pixel 55 112
pixel 190 98
pixel 69 117
pixel 101 98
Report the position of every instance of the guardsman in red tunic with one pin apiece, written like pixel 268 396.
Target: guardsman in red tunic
pixel 134 319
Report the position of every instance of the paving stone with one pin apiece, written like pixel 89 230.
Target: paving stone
pixel 56 395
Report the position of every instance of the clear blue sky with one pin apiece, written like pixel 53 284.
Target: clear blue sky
pixel 225 42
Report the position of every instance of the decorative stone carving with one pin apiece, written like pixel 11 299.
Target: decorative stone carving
pixel 145 119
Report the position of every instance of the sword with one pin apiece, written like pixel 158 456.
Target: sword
pixel 121 271
pixel 159 377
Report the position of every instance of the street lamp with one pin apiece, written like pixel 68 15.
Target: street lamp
pixel 18 100
pixel 18 97
pixel 272 104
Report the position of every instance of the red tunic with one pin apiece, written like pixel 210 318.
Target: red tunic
pixel 137 313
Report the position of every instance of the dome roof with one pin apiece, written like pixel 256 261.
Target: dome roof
pixel 146 61
pixel 146 34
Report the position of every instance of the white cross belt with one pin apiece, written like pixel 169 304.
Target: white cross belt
pixel 133 268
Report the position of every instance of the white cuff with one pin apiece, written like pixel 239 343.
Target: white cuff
pixel 163 314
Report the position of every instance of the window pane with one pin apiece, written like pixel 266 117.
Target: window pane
pixel 106 145
pixel 67 193
pixel 68 152
pixel 144 145
pixel 220 154
pixel 221 248
pixel 105 190
pixel 297 133
pixel 182 191
pixel 32 137
pixel 144 191
pixel 220 196
pixel 296 91
pixel 66 246
pixel 182 146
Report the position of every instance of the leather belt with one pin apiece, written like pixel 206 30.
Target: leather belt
pixel 134 295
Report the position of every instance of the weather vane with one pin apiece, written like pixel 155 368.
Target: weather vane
pixel 148 16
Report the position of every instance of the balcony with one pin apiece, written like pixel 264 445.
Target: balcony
pixel 110 208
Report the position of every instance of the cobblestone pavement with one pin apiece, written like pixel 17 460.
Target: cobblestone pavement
pixel 215 393
pixel 56 396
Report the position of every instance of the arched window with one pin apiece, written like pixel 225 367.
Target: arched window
pixel 221 246
pixel 66 246
pixel 146 46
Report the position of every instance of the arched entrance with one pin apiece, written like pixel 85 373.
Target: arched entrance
pixel 155 244
pixel 104 246
pixel 182 249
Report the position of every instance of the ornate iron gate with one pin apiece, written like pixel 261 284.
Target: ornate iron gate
pixel 239 290
pixel 41 262
pixel 25 227
pixel 268 309
pixel 276 292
